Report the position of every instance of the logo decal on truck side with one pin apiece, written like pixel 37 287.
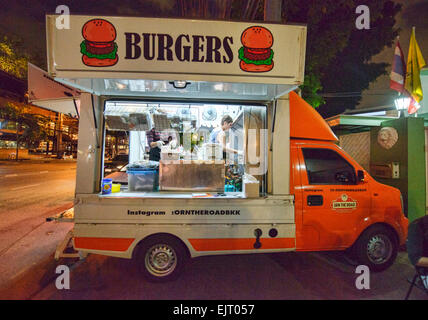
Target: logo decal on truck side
pixel 344 202
pixel 211 212
pixel 206 212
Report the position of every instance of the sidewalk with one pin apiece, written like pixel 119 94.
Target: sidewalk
pixel 34 251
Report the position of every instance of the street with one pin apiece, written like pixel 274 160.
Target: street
pixel 27 184
pixel 29 193
pixel 286 276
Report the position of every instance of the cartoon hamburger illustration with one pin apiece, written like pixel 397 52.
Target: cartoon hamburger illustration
pixel 256 54
pixel 99 48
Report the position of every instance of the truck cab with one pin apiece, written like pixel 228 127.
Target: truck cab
pixel 338 205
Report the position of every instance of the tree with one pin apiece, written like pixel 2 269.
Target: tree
pixel 31 129
pixel 351 71
pixel 337 53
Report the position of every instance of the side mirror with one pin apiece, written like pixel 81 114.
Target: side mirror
pixel 360 175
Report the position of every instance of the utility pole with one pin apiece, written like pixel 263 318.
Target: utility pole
pixel 18 127
pixel 273 9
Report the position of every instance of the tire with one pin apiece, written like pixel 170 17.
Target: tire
pixel 376 248
pixel 161 258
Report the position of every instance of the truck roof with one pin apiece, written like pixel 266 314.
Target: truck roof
pixel 306 122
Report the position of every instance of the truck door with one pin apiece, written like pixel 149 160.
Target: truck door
pixel 333 201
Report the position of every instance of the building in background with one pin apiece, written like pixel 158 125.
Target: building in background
pixel 392 148
pixel 62 129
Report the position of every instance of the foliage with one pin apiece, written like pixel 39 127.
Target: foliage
pixel 338 54
pixel 310 88
pixel 352 69
pixel 12 61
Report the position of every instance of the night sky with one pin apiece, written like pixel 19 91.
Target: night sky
pixel 414 13
pixel 25 19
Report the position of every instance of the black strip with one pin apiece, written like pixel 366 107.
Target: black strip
pixel 75 107
pixel 93 112
pixel 95 122
pixel 273 124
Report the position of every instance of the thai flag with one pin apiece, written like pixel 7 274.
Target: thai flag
pixel 398 72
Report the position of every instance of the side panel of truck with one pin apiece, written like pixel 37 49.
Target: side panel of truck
pixel 115 226
pixel 120 240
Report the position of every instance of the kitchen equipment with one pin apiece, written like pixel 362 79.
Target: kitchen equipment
pixel 191 175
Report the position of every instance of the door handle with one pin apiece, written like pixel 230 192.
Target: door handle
pixel 315 200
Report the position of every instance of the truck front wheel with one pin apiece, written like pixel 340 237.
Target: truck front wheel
pixel 376 248
pixel 161 258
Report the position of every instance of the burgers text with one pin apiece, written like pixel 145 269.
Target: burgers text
pixel 190 48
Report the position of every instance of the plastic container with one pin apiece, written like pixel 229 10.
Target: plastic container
pixel 115 187
pixel 106 186
pixel 140 179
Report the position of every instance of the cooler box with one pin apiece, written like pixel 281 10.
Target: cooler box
pixel 141 179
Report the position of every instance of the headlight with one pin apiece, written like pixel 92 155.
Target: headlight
pixel 107 170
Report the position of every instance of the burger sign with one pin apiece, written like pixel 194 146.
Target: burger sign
pixel 108 47
pixel 99 49
pixel 256 54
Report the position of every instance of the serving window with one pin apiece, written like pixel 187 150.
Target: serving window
pixel 184 150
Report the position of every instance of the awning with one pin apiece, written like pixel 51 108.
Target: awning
pixel 47 93
pixel 342 124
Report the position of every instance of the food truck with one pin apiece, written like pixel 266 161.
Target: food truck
pixel 224 157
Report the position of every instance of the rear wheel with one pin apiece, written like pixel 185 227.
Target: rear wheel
pixel 376 248
pixel 161 258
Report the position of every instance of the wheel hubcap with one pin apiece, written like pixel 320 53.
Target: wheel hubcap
pixel 160 260
pixel 379 249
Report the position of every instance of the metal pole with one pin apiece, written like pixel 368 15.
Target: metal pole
pixel 273 9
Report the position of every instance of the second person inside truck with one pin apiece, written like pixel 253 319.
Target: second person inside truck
pixel 218 135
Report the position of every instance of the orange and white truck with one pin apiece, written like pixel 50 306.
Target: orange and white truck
pixel 310 195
